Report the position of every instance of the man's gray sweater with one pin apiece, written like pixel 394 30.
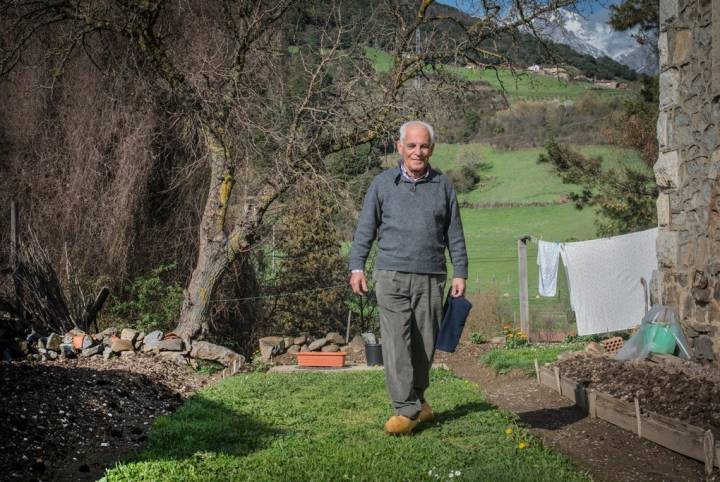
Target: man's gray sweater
pixel 414 222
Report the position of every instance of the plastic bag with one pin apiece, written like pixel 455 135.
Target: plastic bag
pixel 659 332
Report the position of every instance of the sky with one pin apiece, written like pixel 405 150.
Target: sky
pixel 593 9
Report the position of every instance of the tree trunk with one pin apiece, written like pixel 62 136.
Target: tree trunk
pixel 214 255
pixel 212 263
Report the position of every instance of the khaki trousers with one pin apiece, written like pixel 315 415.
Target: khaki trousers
pixel 410 312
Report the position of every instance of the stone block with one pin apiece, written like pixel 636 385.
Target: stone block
pixel 681 43
pixel 294 349
pixel 53 342
pixel 714 169
pixel 669 88
pixel 317 344
pixel 174 357
pixel 170 344
pixel 335 337
pixel 209 351
pixel 331 348
pixel 663 209
pixel 93 350
pixel 664 127
pixel 118 345
pixel 667 248
pixel 704 348
pixel 289 340
pixel 357 343
pixel 299 340
pixel 153 338
pixel 663 49
pixel 668 170
pixel 271 346
pixel 129 334
pixel 67 350
pixel 668 11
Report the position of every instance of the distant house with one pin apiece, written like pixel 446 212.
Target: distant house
pixel 558 72
pixel 608 84
pixel 471 66
pixel 534 68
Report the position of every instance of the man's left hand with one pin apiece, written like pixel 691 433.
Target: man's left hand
pixel 458 287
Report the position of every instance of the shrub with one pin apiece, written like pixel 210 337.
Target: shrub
pixel 477 338
pixel 150 303
pixel 514 338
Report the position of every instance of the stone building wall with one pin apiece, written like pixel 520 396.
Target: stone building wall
pixel 688 169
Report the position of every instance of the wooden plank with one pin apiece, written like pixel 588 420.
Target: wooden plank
pixel 615 411
pixel 678 436
pixel 547 378
pixel 575 392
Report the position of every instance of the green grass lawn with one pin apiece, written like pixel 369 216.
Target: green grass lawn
pixel 320 426
pixel 503 360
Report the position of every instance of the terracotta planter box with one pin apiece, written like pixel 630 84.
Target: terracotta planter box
pixel 321 359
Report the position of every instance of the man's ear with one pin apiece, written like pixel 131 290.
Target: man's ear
pixel 398 145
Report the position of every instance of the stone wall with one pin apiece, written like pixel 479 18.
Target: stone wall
pixel 688 169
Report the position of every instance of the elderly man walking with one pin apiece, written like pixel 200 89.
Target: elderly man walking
pixel 414 212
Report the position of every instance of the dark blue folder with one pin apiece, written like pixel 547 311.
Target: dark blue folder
pixel 455 313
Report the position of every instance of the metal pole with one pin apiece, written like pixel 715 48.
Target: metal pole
pixel 523 281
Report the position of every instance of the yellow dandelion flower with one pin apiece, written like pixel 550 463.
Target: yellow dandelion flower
pixel 508 430
pixel 522 445
pixel 510 335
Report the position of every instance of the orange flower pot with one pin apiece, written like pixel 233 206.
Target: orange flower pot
pixel 77 341
pixel 321 359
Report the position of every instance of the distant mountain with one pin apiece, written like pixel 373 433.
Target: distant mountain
pixel 599 40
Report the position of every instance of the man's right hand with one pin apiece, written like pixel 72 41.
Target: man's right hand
pixel 358 283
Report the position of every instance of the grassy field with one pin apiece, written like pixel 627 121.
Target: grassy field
pixel 321 426
pixel 519 84
pixel 515 175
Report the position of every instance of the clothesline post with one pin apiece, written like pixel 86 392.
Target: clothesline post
pixel 523 281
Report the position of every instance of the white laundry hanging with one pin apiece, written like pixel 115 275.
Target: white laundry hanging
pixel 548 259
pixel 604 277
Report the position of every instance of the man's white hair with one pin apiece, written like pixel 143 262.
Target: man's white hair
pixel 428 127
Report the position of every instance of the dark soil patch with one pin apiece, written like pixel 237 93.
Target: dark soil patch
pixel 71 420
pixel 662 389
pixel 604 451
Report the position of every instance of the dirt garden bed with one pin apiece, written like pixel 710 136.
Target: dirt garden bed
pixel 683 391
pixel 72 419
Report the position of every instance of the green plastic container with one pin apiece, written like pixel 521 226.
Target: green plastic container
pixel 659 338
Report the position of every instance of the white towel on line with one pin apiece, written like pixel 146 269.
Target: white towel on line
pixel 548 259
pixel 604 277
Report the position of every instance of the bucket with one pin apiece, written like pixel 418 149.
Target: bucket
pixel 659 338
pixel 373 354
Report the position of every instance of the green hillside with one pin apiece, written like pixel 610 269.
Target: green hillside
pixel 517 84
pixel 515 176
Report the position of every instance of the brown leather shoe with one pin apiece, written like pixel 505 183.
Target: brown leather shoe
pixel 426 413
pixel 400 425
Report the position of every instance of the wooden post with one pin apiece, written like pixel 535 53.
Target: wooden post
pixel 592 403
pixel 637 417
pixel 347 331
pixel 557 379
pixel 523 281
pixel 537 370
pixel 14 259
pixel 709 449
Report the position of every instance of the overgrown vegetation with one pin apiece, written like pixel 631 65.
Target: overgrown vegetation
pixel 624 197
pixel 523 358
pixel 313 426
pixel 150 302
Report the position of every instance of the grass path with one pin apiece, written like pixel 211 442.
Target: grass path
pixel 319 426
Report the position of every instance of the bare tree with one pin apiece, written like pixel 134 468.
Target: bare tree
pixel 260 126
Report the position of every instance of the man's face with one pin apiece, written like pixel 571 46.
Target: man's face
pixel 415 149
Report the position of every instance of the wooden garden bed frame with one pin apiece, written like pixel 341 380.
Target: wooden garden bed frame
pixel 671 433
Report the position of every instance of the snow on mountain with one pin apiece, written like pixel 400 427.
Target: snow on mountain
pixel 597 39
